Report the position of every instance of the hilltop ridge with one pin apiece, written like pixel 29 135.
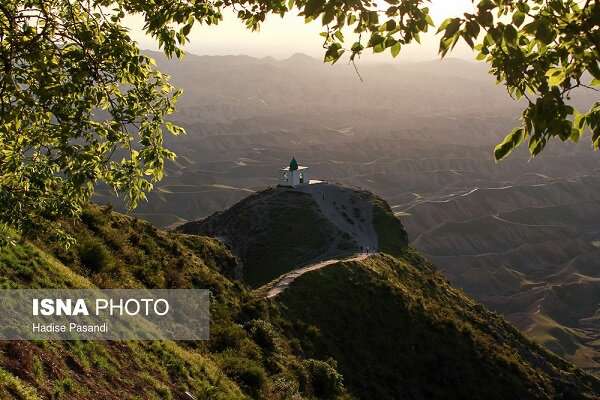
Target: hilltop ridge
pixel 390 323
pixel 282 228
pixel 398 330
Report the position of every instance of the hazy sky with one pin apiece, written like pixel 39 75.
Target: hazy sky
pixel 281 38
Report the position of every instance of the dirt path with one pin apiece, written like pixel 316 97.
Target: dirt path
pixel 349 213
pixel 284 281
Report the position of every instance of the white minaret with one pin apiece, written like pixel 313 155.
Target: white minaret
pixel 294 174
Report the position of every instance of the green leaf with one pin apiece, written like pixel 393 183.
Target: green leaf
pixel 596 139
pixel 334 52
pixel 375 40
pixel 452 27
pixel 186 29
pixel 578 126
pixel 444 24
pixel 328 16
pixel 536 146
pixel 486 5
pixel 313 8
pixel 518 18
pixel 472 29
pixel 510 35
pixel 357 47
pixel 395 49
pixel 485 18
pixel 373 17
pixel 556 76
pixel 545 32
pixel 510 142
pixel 594 69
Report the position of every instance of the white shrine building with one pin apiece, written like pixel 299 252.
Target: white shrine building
pixel 294 175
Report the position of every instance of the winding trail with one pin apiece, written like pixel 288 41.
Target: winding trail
pixel 284 281
pixel 351 213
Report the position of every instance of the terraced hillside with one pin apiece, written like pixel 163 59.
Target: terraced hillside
pixel 528 251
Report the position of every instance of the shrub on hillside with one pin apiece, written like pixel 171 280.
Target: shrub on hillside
pixel 390 231
pixel 326 381
pixel 247 373
pixel 95 256
pixel 263 334
pixel 92 219
pixel 226 336
pixel 285 387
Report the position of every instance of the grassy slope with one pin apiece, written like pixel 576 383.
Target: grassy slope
pixel 394 328
pixel 390 232
pixel 272 231
pixel 244 357
pixel 76 370
pixel 407 334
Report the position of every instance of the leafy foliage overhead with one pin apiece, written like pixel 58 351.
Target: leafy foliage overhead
pixel 80 106
pixel 541 50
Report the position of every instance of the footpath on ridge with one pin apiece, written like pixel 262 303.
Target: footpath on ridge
pixel 284 281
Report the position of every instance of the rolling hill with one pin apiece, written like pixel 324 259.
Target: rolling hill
pixel 527 251
pixel 421 136
pixel 275 230
pixel 387 326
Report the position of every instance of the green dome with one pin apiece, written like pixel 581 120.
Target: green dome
pixel 293 164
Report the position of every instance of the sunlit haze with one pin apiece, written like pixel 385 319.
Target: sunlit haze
pixel 282 37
